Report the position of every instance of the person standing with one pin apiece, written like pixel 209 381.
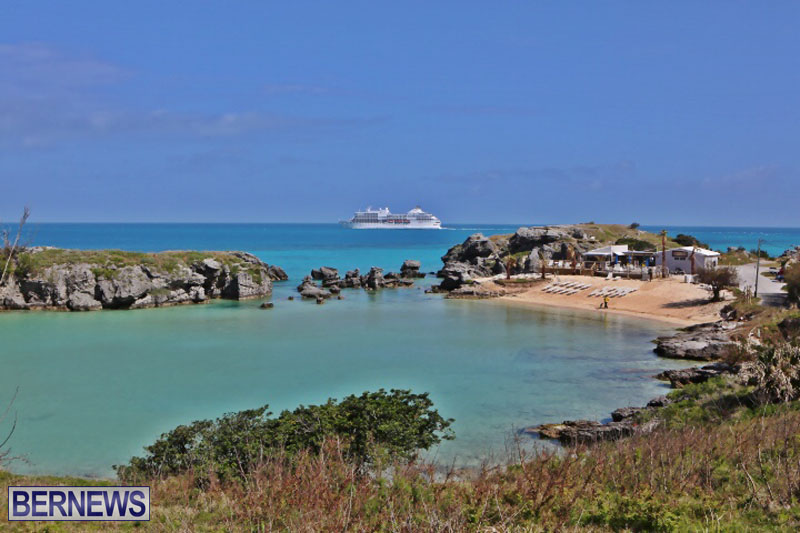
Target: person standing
pixel 605 302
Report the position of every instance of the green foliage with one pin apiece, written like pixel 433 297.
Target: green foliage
pixel 103 273
pixel 689 240
pixel 396 425
pixel 24 266
pixel 634 513
pixel 105 262
pixel 719 278
pixel 636 244
pixel 763 253
pixel 634 225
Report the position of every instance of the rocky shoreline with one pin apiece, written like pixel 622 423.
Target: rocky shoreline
pixel 46 278
pixel 331 284
pixel 481 257
pixel 706 342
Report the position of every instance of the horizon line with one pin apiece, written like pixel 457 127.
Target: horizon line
pixel 650 225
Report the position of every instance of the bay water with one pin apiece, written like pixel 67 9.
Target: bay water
pixel 96 387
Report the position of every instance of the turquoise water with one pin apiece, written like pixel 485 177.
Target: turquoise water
pixel 775 240
pixel 96 387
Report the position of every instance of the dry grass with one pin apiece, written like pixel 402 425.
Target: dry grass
pixel 742 475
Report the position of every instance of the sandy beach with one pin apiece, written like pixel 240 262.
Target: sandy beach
pixel 670 300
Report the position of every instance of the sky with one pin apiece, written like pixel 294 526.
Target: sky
pixel 680 113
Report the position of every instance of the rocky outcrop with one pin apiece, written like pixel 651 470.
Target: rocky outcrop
pixel 574 432
pixel 410 269
pixel 309 289
pixel 480 256
pixel 126 280
pixel 685 376
pixel 351 280
pixel 325 274
pixel 375 279
pixel 704 342
pixel 276 273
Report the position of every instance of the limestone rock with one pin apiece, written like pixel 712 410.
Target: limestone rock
pixel 81 301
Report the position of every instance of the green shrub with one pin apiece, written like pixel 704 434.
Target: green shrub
pixel 636 244
pixel 394 425
pixel 689 240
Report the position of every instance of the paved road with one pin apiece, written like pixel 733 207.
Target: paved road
pixel 768 290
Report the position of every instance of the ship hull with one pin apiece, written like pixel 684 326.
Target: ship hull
pixel 386 225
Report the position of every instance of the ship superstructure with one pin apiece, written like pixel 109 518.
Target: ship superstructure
pixel 383 218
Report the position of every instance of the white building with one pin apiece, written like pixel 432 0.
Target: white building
pixel 680 259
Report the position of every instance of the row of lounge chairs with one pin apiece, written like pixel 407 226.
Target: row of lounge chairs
pixel 566 287
pixel 613 292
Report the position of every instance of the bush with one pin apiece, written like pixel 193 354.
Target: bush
pixel 777 374
pixel 636 244
pixel 634 225
pixel 396 424
pixel 763 254
pixel 718 278
pixel 24 266
pixel 688 240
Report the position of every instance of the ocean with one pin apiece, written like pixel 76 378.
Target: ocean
pixel 96 387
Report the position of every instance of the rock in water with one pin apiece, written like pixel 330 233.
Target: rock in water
pixel 276 273
pixel 374 279
pixel 309 289
pixel 410 269
pixel 325 273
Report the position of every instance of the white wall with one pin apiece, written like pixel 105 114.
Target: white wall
pixel 675 262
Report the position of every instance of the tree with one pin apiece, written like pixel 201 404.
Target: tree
pixel 718 279
pixel 634 225
pixel 9 248
pixel 396 424
pixel 511 263
pixel 689 240
pixel 791 275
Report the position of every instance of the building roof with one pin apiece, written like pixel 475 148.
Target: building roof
pixel 697 250
pixel 615 249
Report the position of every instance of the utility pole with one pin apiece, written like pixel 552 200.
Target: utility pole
pixel 663 253
pixel 758 266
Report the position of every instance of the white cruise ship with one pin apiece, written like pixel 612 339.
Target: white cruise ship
pixel 384 219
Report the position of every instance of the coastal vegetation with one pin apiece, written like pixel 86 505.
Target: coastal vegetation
pixel 724 457
pixel 718 279
pixel 368 428
pixel 689 240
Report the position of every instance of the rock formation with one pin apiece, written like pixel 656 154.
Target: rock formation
pixel 480 256
pixel 63 280
pixel 703 342
pixel 410 269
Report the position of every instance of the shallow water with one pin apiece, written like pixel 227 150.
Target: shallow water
pixel 96 387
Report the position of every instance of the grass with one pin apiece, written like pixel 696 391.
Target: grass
pixel 106 262
pixel 716 463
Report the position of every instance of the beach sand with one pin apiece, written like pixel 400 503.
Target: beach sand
pixel 668 300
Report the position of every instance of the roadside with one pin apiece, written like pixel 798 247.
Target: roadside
pixel 770 291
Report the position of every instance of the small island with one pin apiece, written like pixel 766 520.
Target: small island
pixel 88 280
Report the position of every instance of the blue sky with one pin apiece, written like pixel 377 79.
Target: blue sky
pixel 664 113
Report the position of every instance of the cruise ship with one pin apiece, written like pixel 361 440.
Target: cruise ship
pixel 384 219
